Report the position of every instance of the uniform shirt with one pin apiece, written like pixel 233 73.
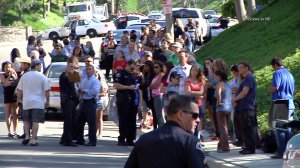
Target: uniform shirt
pixel 284 82
pixel 249 101
pixel 126 78
pixel 91 87
pixel 168 146
pixel 33 84
pixel 184 72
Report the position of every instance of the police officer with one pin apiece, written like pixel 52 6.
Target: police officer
pixel 173 144
pixel 125 84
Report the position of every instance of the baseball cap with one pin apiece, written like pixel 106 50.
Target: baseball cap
pixel 35 62
pixel 177 44
pixel 148 53
pixel 174 74
pixel 25 60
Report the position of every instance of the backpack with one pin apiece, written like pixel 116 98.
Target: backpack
pixel 268 142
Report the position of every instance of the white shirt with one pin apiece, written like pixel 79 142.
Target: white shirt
pixel 33 84
pixel 184 72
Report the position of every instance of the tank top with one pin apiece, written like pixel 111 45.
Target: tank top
pixel 196 87
pixel 225 99
pixel 155 92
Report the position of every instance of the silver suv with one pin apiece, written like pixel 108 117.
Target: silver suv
pixel 202 24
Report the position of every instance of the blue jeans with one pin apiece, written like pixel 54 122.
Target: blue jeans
pixel 283 136
pixel 157 101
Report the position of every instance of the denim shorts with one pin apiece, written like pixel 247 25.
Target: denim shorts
pixel 34 115
pixel 102 103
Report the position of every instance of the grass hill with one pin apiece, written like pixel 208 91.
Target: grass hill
pixel 33 17
pixel 273 31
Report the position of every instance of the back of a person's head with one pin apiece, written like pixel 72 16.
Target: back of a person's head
pixel 66 41
pixel 276 61
pixel 180 102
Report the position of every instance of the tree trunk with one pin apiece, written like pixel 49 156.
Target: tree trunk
pixel 44 9
pixel 240 10
pixel 21 14
pixel 251 7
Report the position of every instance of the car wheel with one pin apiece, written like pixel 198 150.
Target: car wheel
pixel 53 36
pixel 92 33
pixel 206 39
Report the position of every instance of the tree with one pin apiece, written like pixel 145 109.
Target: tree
pixel 21 5
pixel 251 7
pixel 4 7
pixel 240 10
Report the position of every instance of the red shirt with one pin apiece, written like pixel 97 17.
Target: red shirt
pixel 195 87
pixel 120 64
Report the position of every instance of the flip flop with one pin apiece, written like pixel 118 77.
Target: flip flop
pixel 25 141
pixel 34 144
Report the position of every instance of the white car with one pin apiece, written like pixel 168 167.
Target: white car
pixel 122 22
pixel 215 26
pixel 53 72
pixel 81 27
pixel 291 157
pixel 156 16
pixel 197 14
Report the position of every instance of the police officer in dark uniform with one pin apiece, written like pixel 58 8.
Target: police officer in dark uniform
pixel 125 83
pixel 173 144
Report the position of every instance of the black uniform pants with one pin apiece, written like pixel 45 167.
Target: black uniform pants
pixel 68 109
pixel 87 113
pixel 248 125
pixel 127 118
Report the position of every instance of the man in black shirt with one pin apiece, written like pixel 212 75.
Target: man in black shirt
pixel 125 83
pixel 173 144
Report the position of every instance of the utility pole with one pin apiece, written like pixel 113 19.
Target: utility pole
pixel 167 6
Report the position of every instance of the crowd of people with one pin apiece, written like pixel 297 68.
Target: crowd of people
pixel 156 77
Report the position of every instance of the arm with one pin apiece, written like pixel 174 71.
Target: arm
pixel 119 86
pixel 276 81
pixel 95 88
pixel 219 94
pixel 242 94
pixel 47 94
pixel 19 96
pixel 6 81
pixel 157 83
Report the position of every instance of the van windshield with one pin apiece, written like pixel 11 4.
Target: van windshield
pixel 77 8
pixel 184 13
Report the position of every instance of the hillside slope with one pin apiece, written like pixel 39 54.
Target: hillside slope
pixel 273 31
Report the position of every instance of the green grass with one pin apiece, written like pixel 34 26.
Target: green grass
pixel 35 20
pixel 215 5
pixel 258 42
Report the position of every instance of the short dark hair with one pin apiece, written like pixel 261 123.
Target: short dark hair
pixel 130 62
pixel 180 102
pixel 222 74
pixel 234 68
pixel 276 61
pixel 246 64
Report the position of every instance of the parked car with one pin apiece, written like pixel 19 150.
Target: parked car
pixel 121 22
pixel 291 156
pixel 156 16
pixel 53 72
pixel 202 24
pixel 140 25
pixel 81 27
pixel 215 26
pixel 209 12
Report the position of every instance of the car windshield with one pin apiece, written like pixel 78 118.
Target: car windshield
pixel 184 13
pixel 154 16
pixel 137 27
pixel 210 12
pixel 56 70
pixel 213 20
pixel 77 8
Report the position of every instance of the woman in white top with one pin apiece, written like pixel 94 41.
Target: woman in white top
pixel 132 54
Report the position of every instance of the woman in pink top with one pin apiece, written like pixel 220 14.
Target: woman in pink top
pixel 194 86
pixel 156 93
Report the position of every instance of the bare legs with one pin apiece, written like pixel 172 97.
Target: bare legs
pixel 8 107
pixel 99 122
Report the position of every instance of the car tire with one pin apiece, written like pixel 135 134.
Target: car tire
pixel 53 36
pixel 206 39
pixel 92 33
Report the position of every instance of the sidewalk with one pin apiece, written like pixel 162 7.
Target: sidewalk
pixel 234 159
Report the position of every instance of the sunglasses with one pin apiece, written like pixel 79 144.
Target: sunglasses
pixel 194 114
pixel 156 67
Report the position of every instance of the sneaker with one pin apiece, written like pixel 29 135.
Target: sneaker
pixel 22 136
pixel 15 135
